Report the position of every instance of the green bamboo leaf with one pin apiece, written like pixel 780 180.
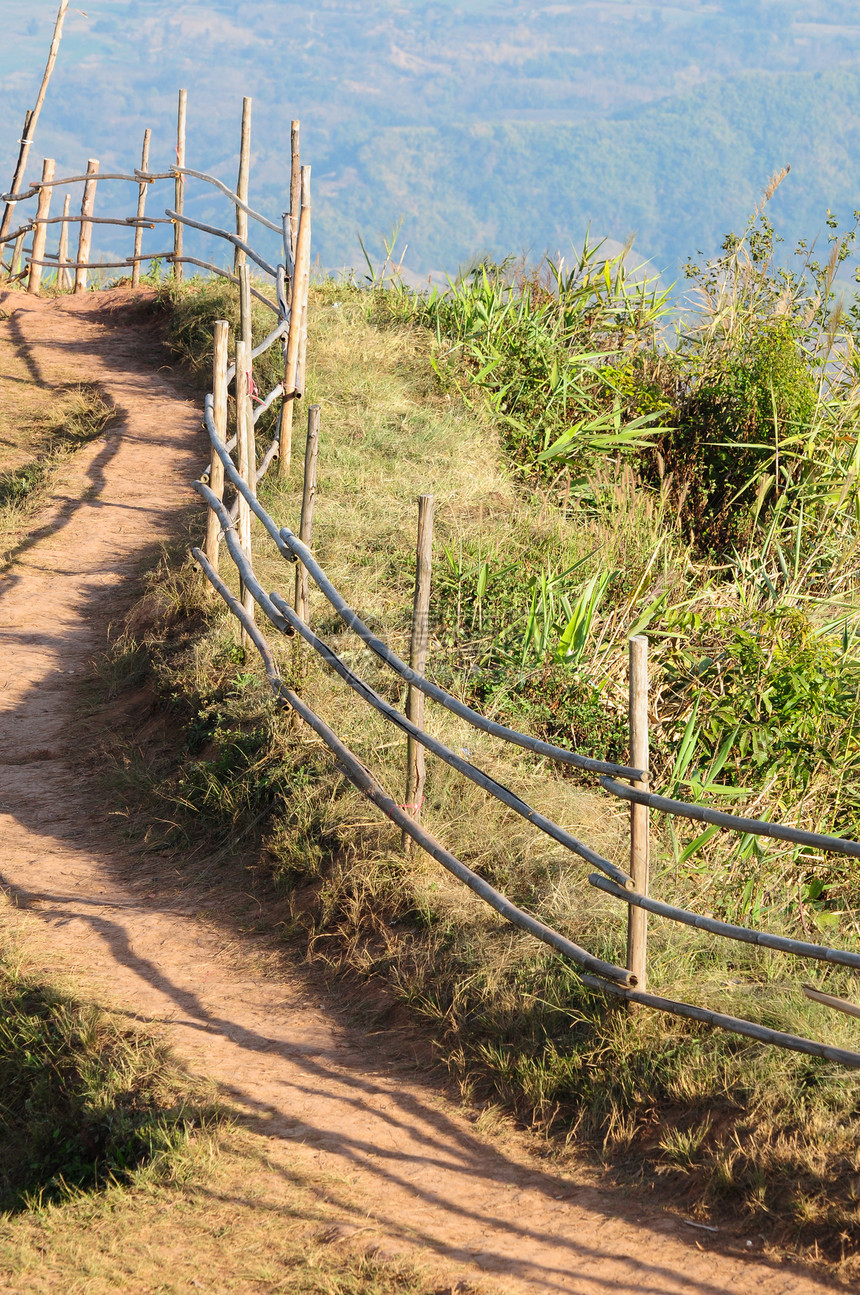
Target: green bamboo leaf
pixel 697 845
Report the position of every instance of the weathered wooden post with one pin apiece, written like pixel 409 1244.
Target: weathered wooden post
pixel 32 115
pixel 309 495
pixel 245 330
pixel 243 184
pixel 86 235
pixel 64 274
pixel 415 772
pixel 295 196
pixel 243 464
pixel 40 233
pixel 17 253
pixel 298 297
pixel 141 210
pixel 219 417
pixel 637 920
pixel 179 187
pixel 17 179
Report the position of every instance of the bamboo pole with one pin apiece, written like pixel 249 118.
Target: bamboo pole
pixel 86 233
pixel 32 116
pixel 242 184
pixel 733 822
pixel 301 364
pixel 744 934
pixel 141 209
pixel 637 921
pixel 219 416
pixel 64 274
pixel 16 181
pixel 295 196
pixel 179 184
pixel 830 1000
pixel 294 340
pixel 40 233
pixel 245 472
pixel 309 495
pixel 415 771
pixel 245 331
pixel 734 1024
pixel 17 253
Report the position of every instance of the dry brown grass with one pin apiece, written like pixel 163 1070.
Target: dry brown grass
pixel 239 1216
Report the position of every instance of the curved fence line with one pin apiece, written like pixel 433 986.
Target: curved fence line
pixel 293 549
pixel 361 778
pixel 291 279
pixel 284 618
pixel 287 619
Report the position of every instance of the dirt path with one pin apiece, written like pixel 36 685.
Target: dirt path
pixel 411 1169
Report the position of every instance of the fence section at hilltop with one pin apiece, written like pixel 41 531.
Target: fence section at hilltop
pixel 238 463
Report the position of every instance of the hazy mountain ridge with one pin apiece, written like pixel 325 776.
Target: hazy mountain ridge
pixel 487 126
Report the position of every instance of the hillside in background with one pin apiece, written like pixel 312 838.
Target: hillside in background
pixel 488 127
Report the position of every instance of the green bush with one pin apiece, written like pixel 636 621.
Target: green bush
pixel 756 391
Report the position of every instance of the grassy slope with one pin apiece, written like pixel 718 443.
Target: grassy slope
pixel 728 1126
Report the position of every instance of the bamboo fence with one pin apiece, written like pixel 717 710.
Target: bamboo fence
pixel 236 463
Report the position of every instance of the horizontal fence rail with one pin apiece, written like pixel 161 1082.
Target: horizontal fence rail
pixel 727 930
pixel 734 822
pixel 292 548
pixel 231 525
pixel 361 778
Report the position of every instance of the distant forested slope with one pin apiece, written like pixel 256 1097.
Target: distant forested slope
pixel 491 126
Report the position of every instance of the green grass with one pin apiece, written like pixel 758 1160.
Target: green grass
pixel 84 1103
pixel 36 447
pixel 535 590
pixel 244 1214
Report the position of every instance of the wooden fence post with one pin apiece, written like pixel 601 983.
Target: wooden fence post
pixel 244 516
pixel 637 921
pixel 243 184
pixel 179 188
pixel 301 364
pixel 86 235
pixel 295 197
pixel 141 210
pixel 309 495
pixel 33 115
pixel 245 330
pixel 298 296
pixel 24 144
pixel 64 274
pixel 219 417
pixel 17 253
pixel 418 659
pixel 40 233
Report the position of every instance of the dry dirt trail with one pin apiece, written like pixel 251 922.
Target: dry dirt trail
pixel 412 1171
